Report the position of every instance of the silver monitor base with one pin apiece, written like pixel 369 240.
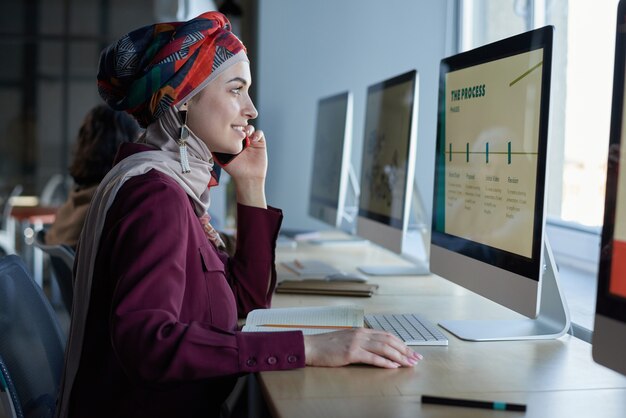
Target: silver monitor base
pixel 553 319
pixel 338 241
pixel 415 270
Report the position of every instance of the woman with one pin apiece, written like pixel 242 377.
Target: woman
pixel 99 137
pixel 154 329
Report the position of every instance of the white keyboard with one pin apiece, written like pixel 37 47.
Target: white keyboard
pixel 411 328
pixel 311 268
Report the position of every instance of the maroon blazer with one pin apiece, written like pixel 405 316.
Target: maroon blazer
pixel 161 338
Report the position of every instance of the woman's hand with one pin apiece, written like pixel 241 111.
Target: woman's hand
pixel 249 169
pixel 358 345
pixel 251 164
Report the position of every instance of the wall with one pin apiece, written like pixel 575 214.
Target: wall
pixel 312 49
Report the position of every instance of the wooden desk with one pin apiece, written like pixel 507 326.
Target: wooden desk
pixel 34 214
pixel 555 378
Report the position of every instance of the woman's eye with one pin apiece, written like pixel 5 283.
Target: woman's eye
pixel 236 90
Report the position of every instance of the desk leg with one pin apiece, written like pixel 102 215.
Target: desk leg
pixel 11 230
pixel 32 256
pixel 37 256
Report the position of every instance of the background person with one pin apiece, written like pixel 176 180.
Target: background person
pixel 101 133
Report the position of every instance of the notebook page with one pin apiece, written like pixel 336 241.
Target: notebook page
pixel 307 317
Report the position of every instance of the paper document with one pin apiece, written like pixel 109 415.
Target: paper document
pixel 309 320
pixel 310 268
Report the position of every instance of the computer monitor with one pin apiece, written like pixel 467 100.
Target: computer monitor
pixel 609 334
pixel 490 175
pixel 387 168
pixel 331 159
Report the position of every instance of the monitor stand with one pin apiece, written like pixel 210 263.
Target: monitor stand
pixel 414 270
pixel 414 251
pixel 348 215
pixel 349 240
pixel 553 320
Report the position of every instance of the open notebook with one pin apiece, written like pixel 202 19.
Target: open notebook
pixel 310 320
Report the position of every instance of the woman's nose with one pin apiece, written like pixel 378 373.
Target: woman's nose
pixel 250 110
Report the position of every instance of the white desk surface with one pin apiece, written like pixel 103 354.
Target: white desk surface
pixel 555 378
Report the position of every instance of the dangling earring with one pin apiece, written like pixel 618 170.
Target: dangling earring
pixel 182 140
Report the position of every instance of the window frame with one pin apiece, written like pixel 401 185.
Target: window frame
pixel 576 247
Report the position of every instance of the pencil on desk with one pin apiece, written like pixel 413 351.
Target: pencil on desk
pixel 306 326
pixel 470 403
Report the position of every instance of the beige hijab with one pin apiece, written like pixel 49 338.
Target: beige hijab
pixel 161 134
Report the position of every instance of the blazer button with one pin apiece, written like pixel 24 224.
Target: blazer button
pixel 271 360
pixel 251 362
pixel 292 359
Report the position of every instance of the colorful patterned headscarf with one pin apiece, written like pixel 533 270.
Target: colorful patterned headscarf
pixel 161 65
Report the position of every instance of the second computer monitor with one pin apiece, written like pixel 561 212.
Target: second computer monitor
pixel 388 162
pixel 331 158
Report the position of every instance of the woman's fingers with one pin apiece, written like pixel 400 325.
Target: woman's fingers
pixel 390 347
pixel 400 346
pixel 256 137
pixel 367 357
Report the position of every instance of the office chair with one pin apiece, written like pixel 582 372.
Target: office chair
pixel 8 394
pixel 54 192
pixel 62 261
pixel 7 235
pixel 31 344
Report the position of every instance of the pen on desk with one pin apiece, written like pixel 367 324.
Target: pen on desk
pixel 306 326
pixel 298 264
pixel 500 406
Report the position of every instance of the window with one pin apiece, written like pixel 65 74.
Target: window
pixel 49 80
pixel 582 82
pixel 48 83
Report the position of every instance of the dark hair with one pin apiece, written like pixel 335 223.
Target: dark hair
pixel 101 133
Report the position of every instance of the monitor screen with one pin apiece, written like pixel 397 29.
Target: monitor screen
pixel 609 335
pixel 490 169
pixel 331 158
pixel 387 164
pixel 490 180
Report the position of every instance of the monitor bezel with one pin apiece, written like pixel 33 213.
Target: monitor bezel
pixel 384 230
pixel 515 264
pixel 607 304
pixel 332 213
pixel 610 318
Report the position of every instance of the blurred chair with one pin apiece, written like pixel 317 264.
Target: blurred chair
pixel 54 192
pixel 8 394
pixel 31 343
pixel 62 261
pixel 7 233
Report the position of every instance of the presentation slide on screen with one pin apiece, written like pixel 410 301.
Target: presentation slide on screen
pixel 386 146
pixel 491 143
pixel 617 284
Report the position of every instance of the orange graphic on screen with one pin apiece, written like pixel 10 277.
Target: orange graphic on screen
pixel 617 285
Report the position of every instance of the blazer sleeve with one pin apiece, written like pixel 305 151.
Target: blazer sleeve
pixel 149 252
pixel 252 270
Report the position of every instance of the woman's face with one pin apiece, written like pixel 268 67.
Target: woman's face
pixel 220 113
